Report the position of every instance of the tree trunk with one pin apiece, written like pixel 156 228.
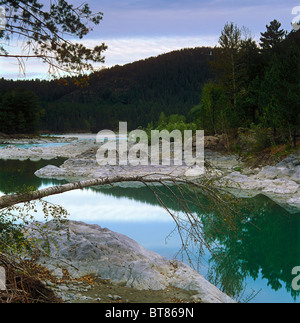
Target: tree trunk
pixel 10 200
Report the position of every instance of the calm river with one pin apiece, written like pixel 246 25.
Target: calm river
pixel 257 260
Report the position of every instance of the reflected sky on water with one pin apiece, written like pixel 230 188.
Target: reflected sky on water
pixel 259 256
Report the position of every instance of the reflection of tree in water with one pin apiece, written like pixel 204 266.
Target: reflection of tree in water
pixel 16 176
pixel 265 242
pixel 141 194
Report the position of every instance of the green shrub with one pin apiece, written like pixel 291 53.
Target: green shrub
pixel 256 138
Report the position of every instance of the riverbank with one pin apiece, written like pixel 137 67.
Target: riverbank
pixel 36 149
pixel 92 289
pixel 279 181
pixel 116 265
pixel 34 139
pixel 228 166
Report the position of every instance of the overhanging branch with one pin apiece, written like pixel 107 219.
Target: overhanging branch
pixel 10 200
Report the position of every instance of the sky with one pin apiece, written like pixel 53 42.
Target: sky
pixel 138 29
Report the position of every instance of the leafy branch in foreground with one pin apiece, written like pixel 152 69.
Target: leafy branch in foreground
pixel 19 250
pixel 196 206
pixel 183 192
pixel 43 34
pixel 16 224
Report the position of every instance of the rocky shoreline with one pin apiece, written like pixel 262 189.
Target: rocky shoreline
pixel 80 249
pixel 96 251
pixel 70 147
pixel 280 182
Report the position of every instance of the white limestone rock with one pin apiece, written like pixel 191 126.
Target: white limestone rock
pixel 50 171
pixel 94 250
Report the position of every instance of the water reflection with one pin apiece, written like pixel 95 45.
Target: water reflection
pixel 143 194
pixel 265 246
pixel 16 176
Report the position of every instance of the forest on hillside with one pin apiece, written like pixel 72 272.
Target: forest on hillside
pixel 136 93
pixel 239 86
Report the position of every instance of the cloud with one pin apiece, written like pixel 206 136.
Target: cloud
pixel 137 29
pixel 95 207
pixel 125 50
pixel 120 51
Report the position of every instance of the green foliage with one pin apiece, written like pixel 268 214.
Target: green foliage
pixel 19 229
pixel 279 94
pixel 214 114
pixel 228 64
pixel 11 236
pixel 256 138
pixel 273 36
pixel 261 88
pixel 171 123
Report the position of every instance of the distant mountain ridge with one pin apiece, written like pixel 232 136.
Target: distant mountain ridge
pixel 137 92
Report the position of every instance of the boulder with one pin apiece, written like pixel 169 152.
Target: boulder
pixel 50 171
pixel 238 180
pixel 85 249
pixel 296 175
pixel 278 186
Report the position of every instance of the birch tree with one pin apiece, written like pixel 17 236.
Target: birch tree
pixel 190 196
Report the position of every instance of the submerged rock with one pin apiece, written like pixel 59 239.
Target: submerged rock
pixel 85 249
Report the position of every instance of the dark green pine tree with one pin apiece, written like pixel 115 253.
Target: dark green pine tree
pixel 273 36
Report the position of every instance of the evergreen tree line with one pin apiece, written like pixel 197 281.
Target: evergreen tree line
pixel 136 93
pixel 255 87
pixel 238 87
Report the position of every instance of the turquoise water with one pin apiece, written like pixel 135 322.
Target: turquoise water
pixel 47 145
pixel 257 258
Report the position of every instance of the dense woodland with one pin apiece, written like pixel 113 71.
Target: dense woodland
pixel 136 93
pixel 239 86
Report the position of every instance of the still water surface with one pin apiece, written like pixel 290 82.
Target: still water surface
pixel 259 258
